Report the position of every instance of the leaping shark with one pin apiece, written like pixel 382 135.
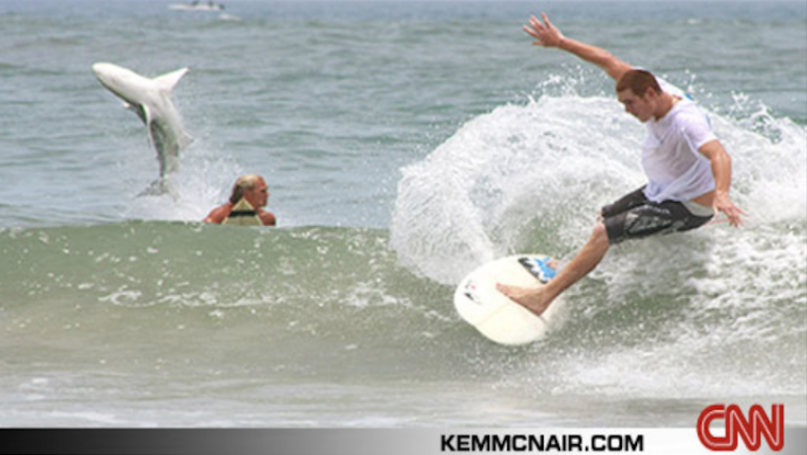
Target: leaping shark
pixel 150 99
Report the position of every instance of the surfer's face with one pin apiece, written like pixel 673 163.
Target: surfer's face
pixel 258 195
pixel 641 107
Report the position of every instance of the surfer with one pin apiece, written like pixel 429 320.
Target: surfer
pixel 688 170
pixel 245 207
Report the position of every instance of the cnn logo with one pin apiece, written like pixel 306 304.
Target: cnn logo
pixel 751 430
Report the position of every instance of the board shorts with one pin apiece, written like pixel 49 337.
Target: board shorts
pixel 634 217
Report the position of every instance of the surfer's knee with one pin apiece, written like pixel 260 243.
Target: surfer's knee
pixel 600 234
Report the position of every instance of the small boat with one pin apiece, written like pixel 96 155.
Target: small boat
pixel 197 6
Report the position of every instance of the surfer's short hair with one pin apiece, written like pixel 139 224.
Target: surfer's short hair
pixel 244 183
pixel 638 81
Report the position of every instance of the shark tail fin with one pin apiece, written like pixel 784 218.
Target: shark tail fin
pixel 168 81
pixel 160 187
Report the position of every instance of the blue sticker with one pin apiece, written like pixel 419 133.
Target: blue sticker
pixel 546 272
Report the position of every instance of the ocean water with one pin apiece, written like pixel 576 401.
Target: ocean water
pixel 404 144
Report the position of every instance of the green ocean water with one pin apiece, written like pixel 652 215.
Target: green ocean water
pixel 404 144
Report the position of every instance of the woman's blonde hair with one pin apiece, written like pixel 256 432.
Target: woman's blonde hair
pixel 244 183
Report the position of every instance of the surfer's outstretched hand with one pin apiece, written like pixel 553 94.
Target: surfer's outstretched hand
pixel 733 213
pixel 546 34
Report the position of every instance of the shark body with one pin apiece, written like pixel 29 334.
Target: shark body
pixel 150 99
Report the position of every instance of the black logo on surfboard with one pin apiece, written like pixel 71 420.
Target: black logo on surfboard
pixel 470 292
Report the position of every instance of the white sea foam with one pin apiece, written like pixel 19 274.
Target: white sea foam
pixel 202 183
pixel 708 306
pixel 547 166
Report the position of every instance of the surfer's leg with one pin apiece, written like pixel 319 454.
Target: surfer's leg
pixel 624 204
pixel 538 299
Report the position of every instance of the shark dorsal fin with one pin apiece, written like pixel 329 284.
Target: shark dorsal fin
pixel 167 82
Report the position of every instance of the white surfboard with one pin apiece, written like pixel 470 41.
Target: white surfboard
pixel 496 316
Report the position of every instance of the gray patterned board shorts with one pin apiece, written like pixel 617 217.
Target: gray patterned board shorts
pixel 634 217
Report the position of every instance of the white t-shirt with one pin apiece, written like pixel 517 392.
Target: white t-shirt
pixel 675 169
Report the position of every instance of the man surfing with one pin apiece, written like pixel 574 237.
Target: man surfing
pixel 688 170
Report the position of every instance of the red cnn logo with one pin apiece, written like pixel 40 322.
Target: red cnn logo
pixel 751 430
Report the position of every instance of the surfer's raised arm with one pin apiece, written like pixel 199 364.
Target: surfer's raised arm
pixel 689 172
pixel 547 35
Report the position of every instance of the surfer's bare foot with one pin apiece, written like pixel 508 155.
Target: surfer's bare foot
pixel 531 298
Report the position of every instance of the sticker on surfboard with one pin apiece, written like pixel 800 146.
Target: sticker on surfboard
pixel 494 315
